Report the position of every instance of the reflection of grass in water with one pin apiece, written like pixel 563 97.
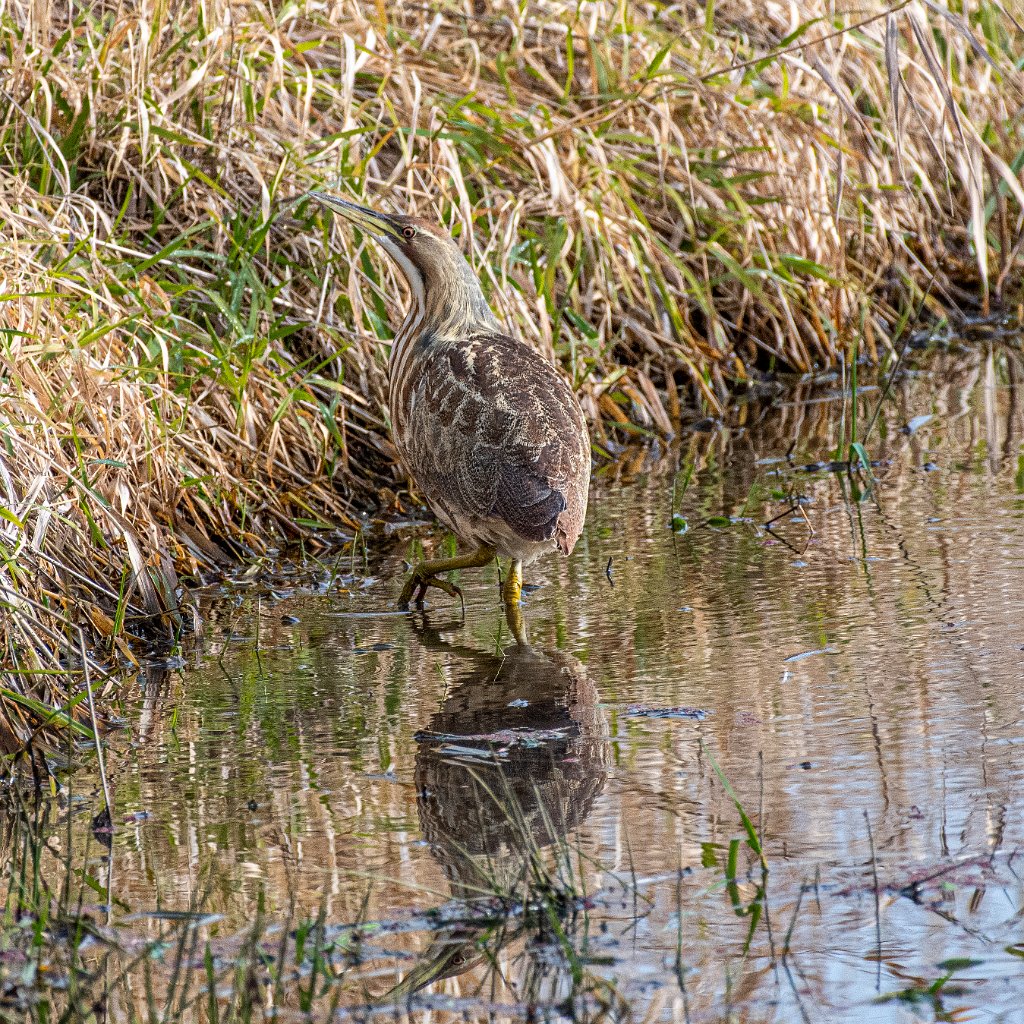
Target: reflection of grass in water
pixel 753 839
pixel 65 963
pixel 60 960
pixel 857 457
pixel 529 891
pixel 923 994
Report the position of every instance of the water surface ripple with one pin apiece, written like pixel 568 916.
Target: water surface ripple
pixel 858 686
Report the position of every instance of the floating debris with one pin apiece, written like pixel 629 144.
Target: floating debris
pixel 171 663
pixel 404 524
pixel 916 424
pixel 390 613
pixel 191 918
pixel 649 711
pixel 809 654
pixel 502 737
pixel 475 753
pixel 840 466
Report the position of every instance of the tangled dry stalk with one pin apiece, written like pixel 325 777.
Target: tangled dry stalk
pixel 667 199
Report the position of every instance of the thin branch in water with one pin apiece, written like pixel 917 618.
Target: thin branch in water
pixel 878 916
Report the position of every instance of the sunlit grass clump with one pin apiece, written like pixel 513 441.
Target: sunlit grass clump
pixel 666 199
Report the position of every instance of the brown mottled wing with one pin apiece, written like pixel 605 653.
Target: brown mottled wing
pixel 493 431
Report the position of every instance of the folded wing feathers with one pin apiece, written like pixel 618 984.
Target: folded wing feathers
pixel 528 503
pixel 494 432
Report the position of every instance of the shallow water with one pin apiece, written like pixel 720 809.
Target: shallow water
pixel 858 687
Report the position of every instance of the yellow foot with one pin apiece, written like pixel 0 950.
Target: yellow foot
pixel 511 595
pixel 427 574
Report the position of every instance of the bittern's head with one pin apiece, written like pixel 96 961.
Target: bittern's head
pixel 441 281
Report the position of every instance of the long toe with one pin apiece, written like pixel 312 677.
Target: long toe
pixel 455 591
pixel 449 588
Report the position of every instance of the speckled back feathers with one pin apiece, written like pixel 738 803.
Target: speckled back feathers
pixel 496 440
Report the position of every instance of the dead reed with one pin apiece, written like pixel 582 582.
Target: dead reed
pixel 666 199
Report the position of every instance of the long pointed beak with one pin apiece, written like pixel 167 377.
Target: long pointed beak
pixel 370 221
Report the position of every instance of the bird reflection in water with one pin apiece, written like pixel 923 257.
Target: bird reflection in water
pixel 508 767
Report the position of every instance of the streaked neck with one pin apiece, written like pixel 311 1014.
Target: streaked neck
pixel 446 299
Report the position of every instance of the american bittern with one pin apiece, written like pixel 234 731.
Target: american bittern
pixel 488 816
pixel 490 432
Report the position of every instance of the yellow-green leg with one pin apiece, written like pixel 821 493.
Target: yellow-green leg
pixel 426 574
pixel 511 593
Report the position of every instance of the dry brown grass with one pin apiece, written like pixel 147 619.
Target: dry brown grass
pixel 666 199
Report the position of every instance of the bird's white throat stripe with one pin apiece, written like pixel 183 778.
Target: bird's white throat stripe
pixel 412 275
pixel 401 347
pixel 401 361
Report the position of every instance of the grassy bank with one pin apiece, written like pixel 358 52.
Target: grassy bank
pixel 667 200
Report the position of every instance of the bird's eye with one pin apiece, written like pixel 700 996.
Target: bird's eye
pixel 408 232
